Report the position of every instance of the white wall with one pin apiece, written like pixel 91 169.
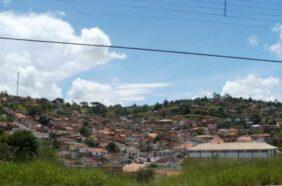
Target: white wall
pixel 231 154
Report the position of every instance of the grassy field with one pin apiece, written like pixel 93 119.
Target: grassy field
pixel 221 172
pixel 44 173
pixel 195 172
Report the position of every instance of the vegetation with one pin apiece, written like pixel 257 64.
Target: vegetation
pixel 91 142
pixel 46 173
pixel 226 172
pixel 206 172
pixel 111 147
pixel 86 128
pixel 21 145
pixel 145 175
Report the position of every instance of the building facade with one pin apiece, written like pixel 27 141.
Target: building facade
pixel 232 150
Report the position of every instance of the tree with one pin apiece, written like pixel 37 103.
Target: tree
pixel 184 109
pixel 111 147
pixel 24 143
pixel 86 129
pixel 157 106
pixel 33 110
pixel 84 104
pixel 216 96
pixel 44 120
pixel 256 118
pixel 90 141
pixel 6 152
pixel 166 103
pixel 59 100
pixel 98 109
pixel 145 175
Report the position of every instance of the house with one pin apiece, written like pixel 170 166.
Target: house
pixel 133 167
pixel 97 152
pixel 244 139
pixel 132 152
pixel 182 149
pixel 232 150
pixel 203 138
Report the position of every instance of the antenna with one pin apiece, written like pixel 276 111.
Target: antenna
pixel 225 8
pixel 18 76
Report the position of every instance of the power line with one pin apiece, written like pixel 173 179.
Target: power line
pixel 169 10
pixel 143 49
pixel 210 8
pixel 151 17
pixel 240 5
pixel 263 3
pixel 188 20
pixel 159 2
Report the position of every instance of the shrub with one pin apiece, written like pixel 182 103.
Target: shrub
pixel 24 143
pixel 145 175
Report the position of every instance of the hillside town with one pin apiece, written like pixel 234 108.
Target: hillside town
pixel 163 135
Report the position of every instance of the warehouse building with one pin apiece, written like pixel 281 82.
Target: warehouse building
pixel 232 150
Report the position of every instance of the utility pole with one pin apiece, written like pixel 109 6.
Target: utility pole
pixel 18 77
pixel 225 8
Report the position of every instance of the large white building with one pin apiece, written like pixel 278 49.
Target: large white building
pixel 232 150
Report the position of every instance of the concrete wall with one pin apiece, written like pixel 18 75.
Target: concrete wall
pixel 231 154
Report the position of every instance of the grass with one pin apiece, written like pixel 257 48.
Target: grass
pixel 43 173
pixel 221 172
pixel 204 172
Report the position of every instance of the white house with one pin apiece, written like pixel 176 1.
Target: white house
pixel 232 150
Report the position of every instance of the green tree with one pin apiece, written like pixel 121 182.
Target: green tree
pixel 98 109
pixel 44 120
pixel 33 110
pixel 255 118
pixel 24 143
pixel 6 152
pixel 111 147
pixel 145 175
pixel 91 142
pixel 86 129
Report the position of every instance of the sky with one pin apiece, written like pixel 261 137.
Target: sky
pixel 112 76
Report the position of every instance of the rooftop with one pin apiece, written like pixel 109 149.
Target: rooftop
pixel 232 146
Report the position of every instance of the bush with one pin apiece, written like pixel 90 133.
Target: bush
pixel 111 147
pixel 44 120
pixel 145 175
pixel 24 143
pixel 90 141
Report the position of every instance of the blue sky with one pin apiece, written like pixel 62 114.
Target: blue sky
pixel 184 76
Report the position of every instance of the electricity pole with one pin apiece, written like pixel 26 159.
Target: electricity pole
pixel 225 8
pixel 18 77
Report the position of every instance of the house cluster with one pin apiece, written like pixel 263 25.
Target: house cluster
pixel 142 141
pixel 138 141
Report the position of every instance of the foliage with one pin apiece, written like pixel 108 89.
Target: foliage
pixel 225 172
pixel 86 129
pixel 21 145
pixel 111 147
pixel 33 110
pixel 90 141
pixel 50 173
pixel 44 120
pixel 144 175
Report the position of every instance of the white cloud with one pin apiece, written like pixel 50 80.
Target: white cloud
pixel 276 48
pixel 89 91
pixel 62 13
pixel 258 88
pixel 6 1
pixel 43 67
pixel 253 40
